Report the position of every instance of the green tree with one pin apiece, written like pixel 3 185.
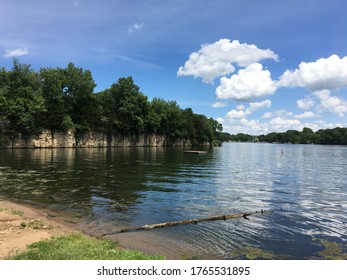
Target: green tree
pixel 125 108
pixel 79 99
pixel 21 100
pixel 204 129
pixel 307 136
pixel 293 136
pixel 56 116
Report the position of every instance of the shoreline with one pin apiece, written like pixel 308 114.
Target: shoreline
pixel 14 237
pixel 21 225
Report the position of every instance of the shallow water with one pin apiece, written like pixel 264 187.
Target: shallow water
pixel 103 190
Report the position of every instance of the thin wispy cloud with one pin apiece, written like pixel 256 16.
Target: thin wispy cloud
pixel 76 3
pixel 135 27
pixel 16 52
pixel 219 105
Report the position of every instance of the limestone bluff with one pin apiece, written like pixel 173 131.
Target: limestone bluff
pixel 90 139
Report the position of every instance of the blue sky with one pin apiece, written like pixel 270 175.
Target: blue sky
pixel 256 66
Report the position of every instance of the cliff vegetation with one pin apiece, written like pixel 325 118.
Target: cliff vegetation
pixel 64 100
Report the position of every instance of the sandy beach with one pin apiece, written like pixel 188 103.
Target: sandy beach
pixel 21 225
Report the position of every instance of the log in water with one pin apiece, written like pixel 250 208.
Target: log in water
pixel 192 221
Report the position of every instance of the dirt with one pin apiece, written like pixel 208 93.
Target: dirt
pixel 22 225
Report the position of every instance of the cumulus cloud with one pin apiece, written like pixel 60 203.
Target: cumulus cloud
pixel 251 82
pixel 305 104
pixel 279 113
pixel 234 114
pixel 240 107
pixel 306 115
pixel 241 112
pixel 275 123
pixel 16 52
pixel 254 106
pixel 281 124
pixel 330 104
pixel 267 115
pixel 325 73
pixel 217 59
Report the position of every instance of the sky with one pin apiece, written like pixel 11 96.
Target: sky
pixel 257 66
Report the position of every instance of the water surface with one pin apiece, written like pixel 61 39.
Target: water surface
pixel 103 190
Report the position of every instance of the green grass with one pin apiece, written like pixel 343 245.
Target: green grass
pixel 331 251
pixel 251 253
pixel 17 212
pixel 79 247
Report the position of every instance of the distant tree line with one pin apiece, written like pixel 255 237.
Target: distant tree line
pixel 335 136
pixel 62 99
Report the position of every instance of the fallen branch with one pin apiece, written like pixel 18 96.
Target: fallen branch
pixel 194 221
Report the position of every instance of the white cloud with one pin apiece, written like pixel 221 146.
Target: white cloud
pixel 217 59
pixel 251 82
pixel 233 114
pixel 221 120
pixel 330 104
pixel 242 112
pixel 305 104
pixel 240 107
pixel 267 115
pixel 306 115
pixel 135 27
pixel 273 124
pixel 281 124
pixel 219 105
pixel 249 123
pixel 16 52
pixel 254 106
pixel 325 73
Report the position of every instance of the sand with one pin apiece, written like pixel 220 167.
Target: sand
pixel 22 225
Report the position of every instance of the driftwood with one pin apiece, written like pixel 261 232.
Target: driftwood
pixel 194 221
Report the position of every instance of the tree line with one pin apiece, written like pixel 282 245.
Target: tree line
pixel 335 136
pixel 62 99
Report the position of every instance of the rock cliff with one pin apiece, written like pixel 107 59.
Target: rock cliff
pixel 69 139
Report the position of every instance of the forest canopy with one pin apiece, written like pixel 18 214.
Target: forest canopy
pixel 334 136
pixel 62 99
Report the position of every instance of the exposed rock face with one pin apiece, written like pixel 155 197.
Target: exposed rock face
pixel 69 139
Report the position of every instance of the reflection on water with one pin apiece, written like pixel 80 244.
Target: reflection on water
pixel 109 189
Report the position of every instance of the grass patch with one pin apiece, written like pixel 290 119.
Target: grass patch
pixel 79 247
pixel 331 251
pixel 18 213
pixel 35 224
pixel 251 253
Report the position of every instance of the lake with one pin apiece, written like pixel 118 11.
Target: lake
pixel 104 190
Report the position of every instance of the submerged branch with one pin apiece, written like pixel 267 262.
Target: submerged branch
pixel 193 221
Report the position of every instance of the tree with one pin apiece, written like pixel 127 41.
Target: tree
pixel 79 98
pixel 204 129
pixel 293 136
pixel 56 116
pixel 21 100
pixel 124 108
pixel 307 136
